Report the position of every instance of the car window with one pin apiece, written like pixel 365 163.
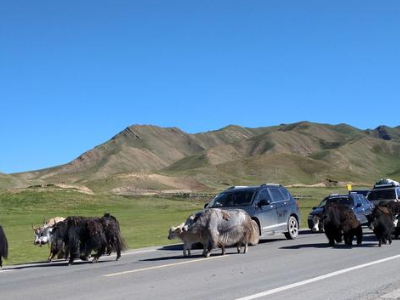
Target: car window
pixel 264 195
pixel 381 195
pixel 276 194
pixel 342 201
pixel 358 199
pixel 238 198
pixel 285 193
pixel 364 200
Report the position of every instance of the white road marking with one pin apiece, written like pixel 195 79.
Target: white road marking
pixel 165 266
pixel 315 279
pixel 135 252
pixel 10 268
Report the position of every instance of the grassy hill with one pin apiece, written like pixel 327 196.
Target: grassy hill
pixel 144 157
pixel 8 181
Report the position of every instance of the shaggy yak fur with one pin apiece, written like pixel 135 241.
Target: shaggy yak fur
pixel 333 216
pixel 221 228
pixel 381 221
pixel 3 246
pixel 43 235
pixel 394 208
pixel 352 228
pixel 82 235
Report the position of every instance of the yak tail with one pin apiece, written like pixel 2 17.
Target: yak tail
pixel 3 244
pixel 254 234
pixel 121 241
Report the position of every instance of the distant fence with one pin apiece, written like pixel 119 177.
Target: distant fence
pixel 197 195
pixel 300 197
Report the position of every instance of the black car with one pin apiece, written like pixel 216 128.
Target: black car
pixel 357 202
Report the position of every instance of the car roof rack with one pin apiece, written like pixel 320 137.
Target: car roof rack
pixel 386 182
pixel 383 185
pixel 270 184
pixel 237 186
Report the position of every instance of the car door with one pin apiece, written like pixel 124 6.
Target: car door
pixel 266 214
pixel 282 207
pixel 359 208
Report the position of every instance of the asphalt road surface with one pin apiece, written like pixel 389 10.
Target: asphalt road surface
pixel 306 268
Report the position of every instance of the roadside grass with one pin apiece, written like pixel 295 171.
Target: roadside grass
pixel 144 221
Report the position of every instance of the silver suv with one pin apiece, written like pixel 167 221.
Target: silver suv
pixel 384 192
pixel 270 205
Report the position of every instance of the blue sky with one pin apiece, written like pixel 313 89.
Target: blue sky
pixel 74 73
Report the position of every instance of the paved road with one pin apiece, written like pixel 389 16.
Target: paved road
pixel 305 268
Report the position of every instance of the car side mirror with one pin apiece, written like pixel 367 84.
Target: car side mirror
pixel 314 208
pixel 263 203
pixel 205 205
pixel 358 205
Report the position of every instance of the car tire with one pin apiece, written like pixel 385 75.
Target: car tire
pixel 255 239
pixel 293 228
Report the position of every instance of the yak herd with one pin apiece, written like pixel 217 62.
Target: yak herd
pixel 77 237
pixel 84 237
pixel 341 224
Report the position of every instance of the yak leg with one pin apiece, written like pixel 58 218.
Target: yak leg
pixel 246 247
pixel 185 249
pixel 359 238
pixel 223 249
pixel 51 256
pixel 1 262
pixel 188 248
pixel 207 253
pixel 118 253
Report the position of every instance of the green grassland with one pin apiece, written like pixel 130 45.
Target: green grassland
pixel 144 221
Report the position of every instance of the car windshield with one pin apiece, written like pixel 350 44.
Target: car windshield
pixel 339 200
pixel 238 198
pixel 381 195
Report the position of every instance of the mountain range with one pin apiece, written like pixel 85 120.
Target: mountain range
pixel 145 158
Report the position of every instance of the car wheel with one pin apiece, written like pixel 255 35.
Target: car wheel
pixel 256 237
pixel 293 228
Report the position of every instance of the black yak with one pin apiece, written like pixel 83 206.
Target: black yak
pixel 352 228
pixel 381 222
pixel 3 246
pixel 333 216
pixel 83 235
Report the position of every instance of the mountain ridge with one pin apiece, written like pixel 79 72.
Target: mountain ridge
pixel 302 152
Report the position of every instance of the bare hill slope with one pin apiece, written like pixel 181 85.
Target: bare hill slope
pixel 302 152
